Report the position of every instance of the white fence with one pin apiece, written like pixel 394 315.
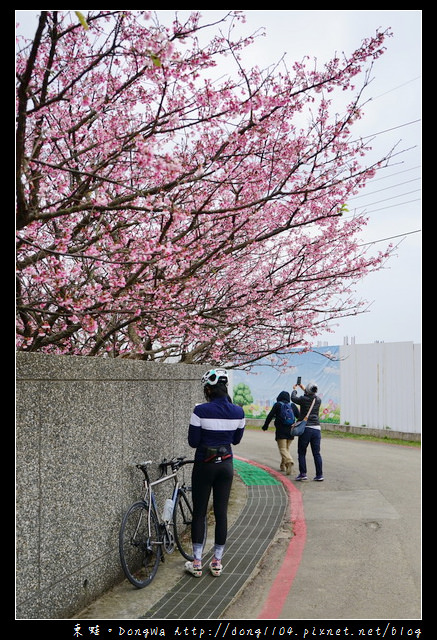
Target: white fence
pixel 381 385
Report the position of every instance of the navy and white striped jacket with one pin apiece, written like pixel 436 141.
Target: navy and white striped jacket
pixel 214 424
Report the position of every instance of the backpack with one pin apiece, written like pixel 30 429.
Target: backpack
pixel 286 413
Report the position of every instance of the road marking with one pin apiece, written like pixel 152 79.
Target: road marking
pixel 283 582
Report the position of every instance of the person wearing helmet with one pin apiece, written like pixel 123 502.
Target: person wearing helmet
pixel 215 426
pixel 313 433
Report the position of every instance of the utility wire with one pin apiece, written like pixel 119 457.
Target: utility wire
pixel 390 207
pixel 392 197
pixel 398 87
pixel 399 126
pixel 401 235
pixel 394 174
pixel 393 186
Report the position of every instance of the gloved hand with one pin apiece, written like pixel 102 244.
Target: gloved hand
pixel 264 427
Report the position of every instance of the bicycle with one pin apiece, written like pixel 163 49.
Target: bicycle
pixel 144 535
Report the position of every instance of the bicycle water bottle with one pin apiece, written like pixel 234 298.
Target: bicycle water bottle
pixel 167 512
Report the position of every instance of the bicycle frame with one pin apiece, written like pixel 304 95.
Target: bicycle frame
pixel 152 500
pixel 149 497
pixel 144 534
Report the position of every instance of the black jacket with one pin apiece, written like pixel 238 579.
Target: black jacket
pixel 282 431
pixel 304 403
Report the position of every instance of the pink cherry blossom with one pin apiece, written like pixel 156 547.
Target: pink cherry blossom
pixel 165 215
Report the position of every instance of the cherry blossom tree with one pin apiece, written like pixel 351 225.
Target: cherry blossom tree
pixel 166 213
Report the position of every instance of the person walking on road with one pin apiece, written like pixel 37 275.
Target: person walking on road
pixel 313 434
pixel 215 426
pixel 282 431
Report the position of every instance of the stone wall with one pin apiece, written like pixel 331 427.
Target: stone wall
pixel 82 423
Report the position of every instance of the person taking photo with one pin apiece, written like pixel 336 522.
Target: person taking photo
pixel 313 434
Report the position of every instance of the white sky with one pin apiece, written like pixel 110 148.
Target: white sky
pixel 392 199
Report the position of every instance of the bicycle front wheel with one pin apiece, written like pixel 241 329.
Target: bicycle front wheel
pixel 182 519
pixel 140 547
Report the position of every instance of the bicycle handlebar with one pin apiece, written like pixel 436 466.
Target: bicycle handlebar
pixel 174 463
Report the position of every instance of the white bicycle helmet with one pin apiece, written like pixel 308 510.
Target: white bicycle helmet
pixel 215 375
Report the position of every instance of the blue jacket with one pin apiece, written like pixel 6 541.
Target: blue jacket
pixel 214 424
pixel 282 431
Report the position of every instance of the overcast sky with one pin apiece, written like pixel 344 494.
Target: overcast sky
pixel 393 198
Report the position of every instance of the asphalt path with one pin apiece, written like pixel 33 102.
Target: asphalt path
pixel 360 535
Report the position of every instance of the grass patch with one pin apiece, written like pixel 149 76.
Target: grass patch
pixel 358 436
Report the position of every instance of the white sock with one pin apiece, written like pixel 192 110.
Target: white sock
pixel 197 551
pixel 218 551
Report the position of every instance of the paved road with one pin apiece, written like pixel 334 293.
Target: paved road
pixel 362 526
pixel 348 549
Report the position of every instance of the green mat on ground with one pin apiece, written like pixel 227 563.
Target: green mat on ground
pixel 252 475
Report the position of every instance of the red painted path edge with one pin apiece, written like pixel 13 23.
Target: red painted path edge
pixel 281 586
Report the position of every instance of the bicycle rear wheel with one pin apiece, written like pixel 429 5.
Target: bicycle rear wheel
pixel 140 552
pixel 182 519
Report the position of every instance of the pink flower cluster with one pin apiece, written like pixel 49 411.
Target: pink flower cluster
pixel 164 215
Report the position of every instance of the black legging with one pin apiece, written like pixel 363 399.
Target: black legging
pixel 209 476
